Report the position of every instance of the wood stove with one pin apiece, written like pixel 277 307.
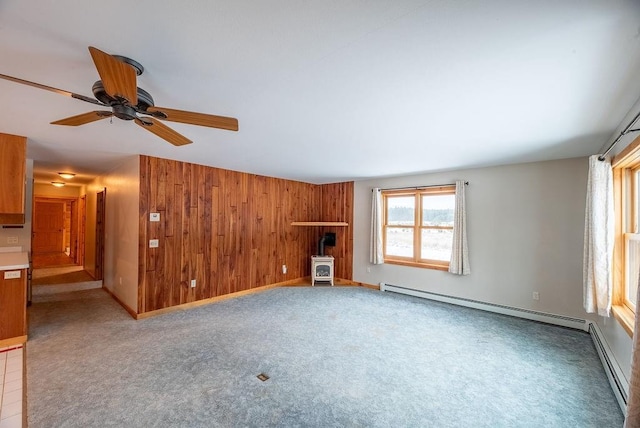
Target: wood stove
pixel 321 270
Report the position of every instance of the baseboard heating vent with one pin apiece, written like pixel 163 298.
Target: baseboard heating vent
pixel 561 320
pixel 619 384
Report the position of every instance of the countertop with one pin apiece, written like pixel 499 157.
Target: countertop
pixel 11 261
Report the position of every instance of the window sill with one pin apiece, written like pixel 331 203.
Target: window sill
pixel 418 265
pixel 625 317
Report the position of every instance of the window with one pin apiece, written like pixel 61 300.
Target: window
pixel 631 236
pixel 418 226
pixel 626 178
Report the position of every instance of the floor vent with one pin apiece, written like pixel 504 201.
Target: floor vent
pixel 263 377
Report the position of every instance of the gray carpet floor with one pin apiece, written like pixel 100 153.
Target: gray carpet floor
pixel 335 357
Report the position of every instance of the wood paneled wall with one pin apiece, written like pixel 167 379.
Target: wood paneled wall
pixel 230 231
pixel 337 205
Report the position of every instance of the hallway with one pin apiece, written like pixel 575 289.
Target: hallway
pixel 56 272
pixel 49 260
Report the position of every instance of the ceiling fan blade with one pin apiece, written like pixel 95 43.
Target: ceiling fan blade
pixel 118 78
pixel 192 118
pixel 52 89
pixel 163 131
pixel 83 118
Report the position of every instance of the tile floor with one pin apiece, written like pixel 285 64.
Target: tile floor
pixel 11 383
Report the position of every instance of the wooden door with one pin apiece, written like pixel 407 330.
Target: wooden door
pixel 48 224
pixel 100 217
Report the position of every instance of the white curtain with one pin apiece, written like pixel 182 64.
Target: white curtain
pixel 459 263
pixel 599 231
pixel 376 256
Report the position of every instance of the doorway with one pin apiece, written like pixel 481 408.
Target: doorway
pixel 57 244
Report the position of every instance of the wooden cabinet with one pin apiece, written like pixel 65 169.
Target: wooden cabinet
pixel 13 173
pixel 13 304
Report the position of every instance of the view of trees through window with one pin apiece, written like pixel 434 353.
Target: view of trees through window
pixel 404 215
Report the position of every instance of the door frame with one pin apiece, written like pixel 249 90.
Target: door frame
pixel 101 197
pixel 82 222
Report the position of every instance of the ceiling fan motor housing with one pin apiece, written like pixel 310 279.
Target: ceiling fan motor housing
pixel 120 108
pixel 123 112
pixel 135 64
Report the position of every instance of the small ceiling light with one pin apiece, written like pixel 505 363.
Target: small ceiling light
pixel 66 175
pixel 58 183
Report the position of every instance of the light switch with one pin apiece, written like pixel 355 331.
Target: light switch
pixel 153 243
pixel 154 216
pixel 12 274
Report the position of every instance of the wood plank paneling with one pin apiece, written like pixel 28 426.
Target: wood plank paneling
pixel 230 231
pixel 337 205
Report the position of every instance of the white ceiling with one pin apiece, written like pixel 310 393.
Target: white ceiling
pixel 328 91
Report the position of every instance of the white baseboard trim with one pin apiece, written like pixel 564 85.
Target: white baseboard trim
pixel 612 369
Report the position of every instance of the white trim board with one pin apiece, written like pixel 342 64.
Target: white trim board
pixel 617 380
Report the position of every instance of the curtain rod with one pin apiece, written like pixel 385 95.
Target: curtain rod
pixel 622 134
pixel 421 187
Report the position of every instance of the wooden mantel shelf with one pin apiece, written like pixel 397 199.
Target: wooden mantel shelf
pixel 319 223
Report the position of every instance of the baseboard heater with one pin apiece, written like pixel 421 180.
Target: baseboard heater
pixel 618 383
pixel 561 320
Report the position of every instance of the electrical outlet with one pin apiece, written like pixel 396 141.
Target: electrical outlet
pixel 12 274
pixel 536 295
pixel 368 269
pixel 193 283
pixel 153 243
pixel 284 268
pixel 12 239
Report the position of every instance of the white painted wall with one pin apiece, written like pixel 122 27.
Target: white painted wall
pixel 525 233
pixel 46 189
pixel 121 222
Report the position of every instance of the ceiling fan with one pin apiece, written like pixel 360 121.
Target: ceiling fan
pixel 118 91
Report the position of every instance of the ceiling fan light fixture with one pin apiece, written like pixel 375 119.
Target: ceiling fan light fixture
pixel 58 183
pixel 66 175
